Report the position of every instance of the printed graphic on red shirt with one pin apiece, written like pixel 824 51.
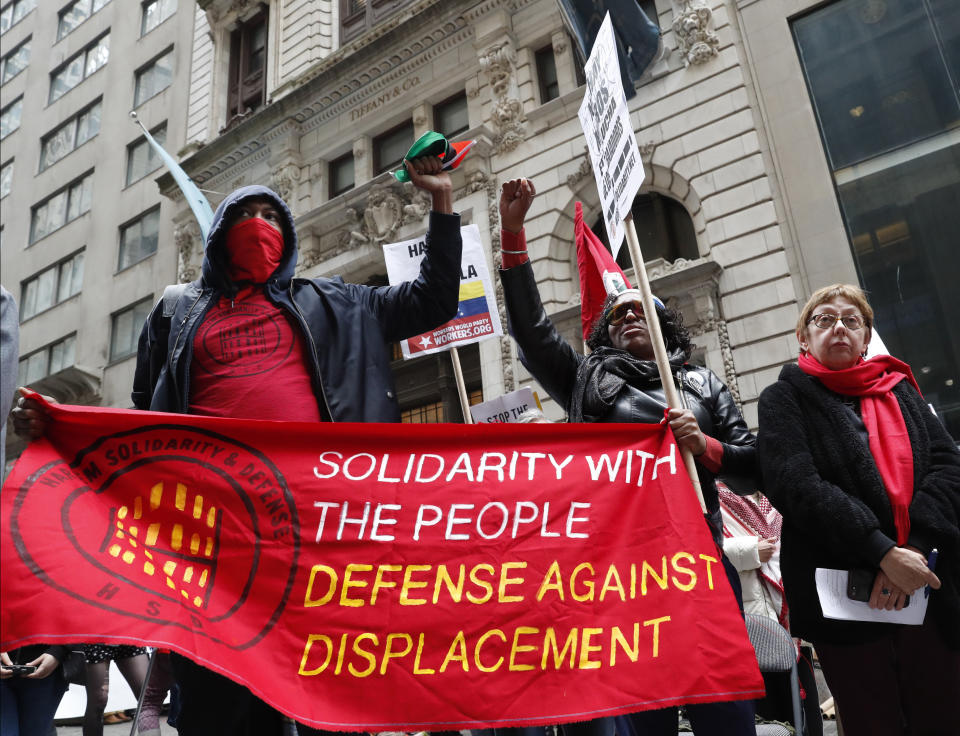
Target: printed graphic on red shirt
pixel 247 338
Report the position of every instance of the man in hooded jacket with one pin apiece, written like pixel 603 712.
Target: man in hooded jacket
pixel 249 340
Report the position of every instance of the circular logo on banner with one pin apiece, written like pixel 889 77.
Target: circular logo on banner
pixel 246 337
pixel 171 524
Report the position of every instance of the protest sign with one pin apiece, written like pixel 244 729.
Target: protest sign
pixel 610 138
pixel 370 577
pixel 506 408
pixel 476 319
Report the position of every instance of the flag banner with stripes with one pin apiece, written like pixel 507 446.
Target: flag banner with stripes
pixel 374 577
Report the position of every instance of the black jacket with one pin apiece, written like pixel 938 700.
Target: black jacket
pixel 820 474
pixel 554 363
pixel 347 327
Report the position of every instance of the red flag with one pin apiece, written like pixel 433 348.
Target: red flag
pixel 369 577
pixel 599 273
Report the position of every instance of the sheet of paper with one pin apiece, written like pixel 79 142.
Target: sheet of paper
pixel 832 589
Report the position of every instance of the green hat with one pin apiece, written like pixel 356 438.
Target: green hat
pixel 432 143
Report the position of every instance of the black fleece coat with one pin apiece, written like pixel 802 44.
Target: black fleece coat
pixel 819 473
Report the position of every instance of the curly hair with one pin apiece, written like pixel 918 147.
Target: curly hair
pixel 675 335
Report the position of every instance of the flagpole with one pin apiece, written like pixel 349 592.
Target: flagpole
pixel 461 386
pixel 659 349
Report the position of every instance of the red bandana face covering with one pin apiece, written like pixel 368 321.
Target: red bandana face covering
pixel 254 249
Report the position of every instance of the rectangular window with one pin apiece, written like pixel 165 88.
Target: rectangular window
pixel 13 13
pixel 248 58
pixel 14 62
pixel 888 123
pixel 142 158
pixel 10 117
pixel 69 136
pixel 47 361
pixel 547 74
pixel 153 78
pixel 6 178
pixel 51 286
pixel 138 239
pixel 390 147
pixel 75 13
pixel 60 208
pixel 125 329
pixel 450 116
pixel 79 67
pixel 154 13
pixel 341 175
pixel 359 16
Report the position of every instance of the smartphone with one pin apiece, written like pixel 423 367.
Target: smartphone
pixel 21 669
pixel 860 586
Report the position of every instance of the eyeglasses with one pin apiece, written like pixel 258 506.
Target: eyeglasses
pixel 826 321
pixel 618 313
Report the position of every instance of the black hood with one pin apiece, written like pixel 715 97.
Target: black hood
pixel 214 255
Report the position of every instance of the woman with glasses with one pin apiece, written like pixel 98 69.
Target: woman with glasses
pixel 619 382
pixel 866 478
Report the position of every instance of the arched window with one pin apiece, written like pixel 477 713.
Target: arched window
pixel 664 229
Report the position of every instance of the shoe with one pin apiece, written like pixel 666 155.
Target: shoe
pixel 116 717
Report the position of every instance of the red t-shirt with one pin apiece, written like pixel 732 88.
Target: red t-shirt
pixel 250 361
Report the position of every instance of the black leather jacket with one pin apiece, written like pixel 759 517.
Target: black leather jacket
pixel 554 363
pixel 347 327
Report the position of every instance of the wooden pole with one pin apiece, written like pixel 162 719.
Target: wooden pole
pixel 461 386
pixel 659 349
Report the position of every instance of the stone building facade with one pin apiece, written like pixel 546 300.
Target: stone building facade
pixel 83 223
pixel 759 188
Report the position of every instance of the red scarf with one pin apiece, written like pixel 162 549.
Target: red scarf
pixel 254 248
pixel 873 381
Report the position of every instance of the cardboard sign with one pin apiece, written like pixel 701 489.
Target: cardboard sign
pixel 477 318
pixel 610 137
pixel 506 408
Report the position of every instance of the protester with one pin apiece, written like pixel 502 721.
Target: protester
pixel 619 382
pixel 248 340
pixel 866 477
pixel 132 663
pixel 751 540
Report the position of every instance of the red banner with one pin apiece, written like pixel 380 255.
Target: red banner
pixel 375 577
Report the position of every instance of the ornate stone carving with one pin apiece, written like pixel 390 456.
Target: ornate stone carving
pixel 283 181
pixel 584 169
pixel 186 236
pixel 387 209
pixel 646 151
pixel 695 40
pixel 498 63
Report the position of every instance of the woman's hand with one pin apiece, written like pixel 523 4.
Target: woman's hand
pixel 885 594
pixel 426 172
pixel 766 548
pixel 516 196
pixel 687 431
pixel 907 570
pixel 45 664
pixel 30 417
pixel 5 673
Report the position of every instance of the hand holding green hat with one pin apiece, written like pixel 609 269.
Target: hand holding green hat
pixel 432 143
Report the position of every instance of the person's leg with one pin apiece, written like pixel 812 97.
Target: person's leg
pixel 38 701
pixel 928 671
pixel 155 691
pixel 731 718
pixel 98 687
pixel 812 716
pixel 9 708
pixel 863 683
pixel 213 705
pixel 134 671
pixel 594 727
pixel 661 722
